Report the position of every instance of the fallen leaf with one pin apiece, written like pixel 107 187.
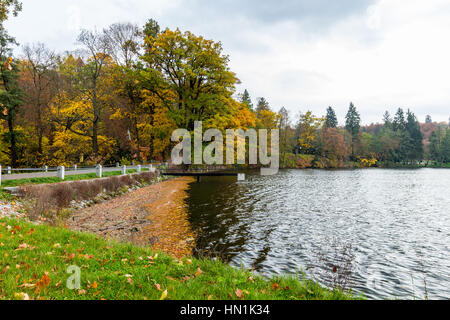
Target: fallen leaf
pixel 199 272
pixel 43 282
pixel 164 295
pixel 71 256
pixel 22 296
pixel 239 294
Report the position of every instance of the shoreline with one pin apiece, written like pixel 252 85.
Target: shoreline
pixel 151 216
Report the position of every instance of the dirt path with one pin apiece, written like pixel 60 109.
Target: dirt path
pixel 154 215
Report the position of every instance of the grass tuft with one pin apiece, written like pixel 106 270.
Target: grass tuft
pixel 34 261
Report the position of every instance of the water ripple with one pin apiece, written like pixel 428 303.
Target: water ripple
pixel 397 221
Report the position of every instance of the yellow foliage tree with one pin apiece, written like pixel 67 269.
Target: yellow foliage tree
pixel 308 131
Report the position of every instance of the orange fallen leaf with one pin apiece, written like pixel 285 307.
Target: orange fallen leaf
pixel 239 294
pixel 43 282
pixel 71 256
pixel 199 272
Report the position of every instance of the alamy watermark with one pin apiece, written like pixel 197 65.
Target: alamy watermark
pixel 74 281
pixel 213 153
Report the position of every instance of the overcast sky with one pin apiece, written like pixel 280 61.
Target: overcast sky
pixel 301 54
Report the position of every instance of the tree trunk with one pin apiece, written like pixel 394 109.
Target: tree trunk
pixel 95 139
pixel 13 147
pixel 138 139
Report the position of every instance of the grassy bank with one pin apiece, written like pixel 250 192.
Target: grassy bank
pixel 87 176
pixel 34 261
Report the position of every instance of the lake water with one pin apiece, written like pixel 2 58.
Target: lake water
pixel 390 228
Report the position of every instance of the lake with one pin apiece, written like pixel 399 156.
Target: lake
pixel 385 233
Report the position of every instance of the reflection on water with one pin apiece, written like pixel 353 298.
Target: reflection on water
pixel 397 222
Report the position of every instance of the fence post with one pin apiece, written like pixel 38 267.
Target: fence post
pixel 9 170
pixel 75 168
pixel 0 175
pixel 124 170
pixel 117 165
pixel 45 168
pixel 61 172
pixel 139 168
pixel 99 171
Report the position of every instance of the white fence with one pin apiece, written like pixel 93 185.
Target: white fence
pixel 7 173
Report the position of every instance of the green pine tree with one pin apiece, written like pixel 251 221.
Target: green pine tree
pixel 399 123
pixel 246 100
pixel 331 119
pixel 262 105
pixel 353 125
pixel 387 120
pixel 435 145
pixel 445 149
pixel 416 137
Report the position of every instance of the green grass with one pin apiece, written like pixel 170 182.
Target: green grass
pixel 113 271
pixel 88 176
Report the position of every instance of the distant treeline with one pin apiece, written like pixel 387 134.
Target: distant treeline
pixel 399 140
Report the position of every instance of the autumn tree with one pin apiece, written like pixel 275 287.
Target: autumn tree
pixel 125 42
pixel 7 7
pixel 308 126
pixel 386 143
pixel 192 67
pixel 333 144
pixel 82 115
pixel 38 79
pixel 284 126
